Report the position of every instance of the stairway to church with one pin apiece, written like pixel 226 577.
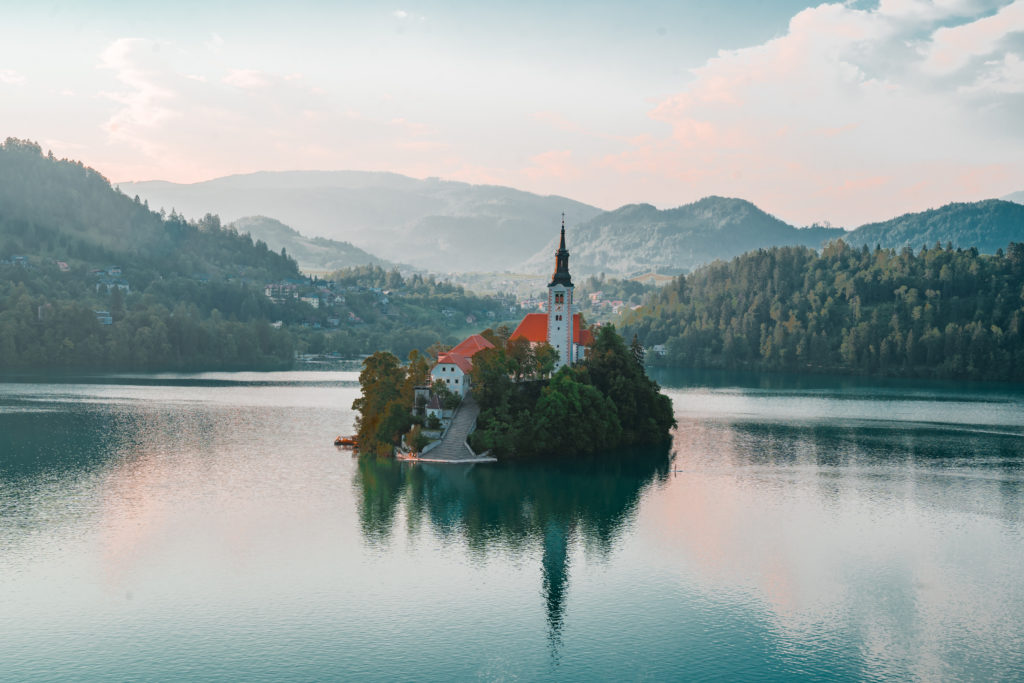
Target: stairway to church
pixel 453 448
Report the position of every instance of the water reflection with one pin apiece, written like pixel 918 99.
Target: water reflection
pixel 807 533
pixel 547 504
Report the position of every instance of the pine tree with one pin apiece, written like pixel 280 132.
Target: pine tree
pixel 638 350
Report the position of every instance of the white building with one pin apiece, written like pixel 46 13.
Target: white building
pixel 454 366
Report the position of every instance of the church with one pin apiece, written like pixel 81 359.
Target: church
pixel 561 327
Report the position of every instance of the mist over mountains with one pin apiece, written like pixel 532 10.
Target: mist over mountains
pixel 435 224
pixel 639 237
pixel 311 253
pixel 446 226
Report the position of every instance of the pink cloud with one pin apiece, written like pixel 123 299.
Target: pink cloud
pixel 557 163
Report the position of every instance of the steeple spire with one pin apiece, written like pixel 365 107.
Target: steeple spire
pixel 561 274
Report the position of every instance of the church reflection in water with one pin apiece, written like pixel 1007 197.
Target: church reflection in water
pixel 515 505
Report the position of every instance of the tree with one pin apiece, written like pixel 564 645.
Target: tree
pixel 638 350
pixel 380 422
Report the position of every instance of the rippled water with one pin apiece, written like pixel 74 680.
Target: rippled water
pixel 203 527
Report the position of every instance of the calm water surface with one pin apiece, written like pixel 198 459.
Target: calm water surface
pixel 203 527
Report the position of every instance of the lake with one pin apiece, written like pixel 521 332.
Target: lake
pixel 204 527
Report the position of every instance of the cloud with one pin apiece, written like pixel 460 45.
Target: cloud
pixel 247 78
pixel 146 101
pixel 867 110
pixel 556 163
pixel 11 77
pixel 400 14
pixel 953 48
pixel 173 122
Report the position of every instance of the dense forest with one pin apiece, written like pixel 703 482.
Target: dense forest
pixel 939 312
pixel 91 279
pixel 605 402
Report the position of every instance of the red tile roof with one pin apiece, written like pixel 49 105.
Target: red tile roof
pixel 471 345
pixel 452 358
pixel 534 328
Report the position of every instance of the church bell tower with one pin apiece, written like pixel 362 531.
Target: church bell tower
pixel 560 306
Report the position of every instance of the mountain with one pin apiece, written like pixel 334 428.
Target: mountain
pixel 1015 197
pixel 312 253
pixel 54 209
pixel 639 237
pixel 436 224
pixel 988 225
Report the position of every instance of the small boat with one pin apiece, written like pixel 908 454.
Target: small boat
pixel 346 441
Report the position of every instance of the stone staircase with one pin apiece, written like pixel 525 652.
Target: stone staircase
pixel 453 447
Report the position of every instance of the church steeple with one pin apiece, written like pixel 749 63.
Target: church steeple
pixel 561 274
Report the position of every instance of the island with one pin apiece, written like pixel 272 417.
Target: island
pixel 551 387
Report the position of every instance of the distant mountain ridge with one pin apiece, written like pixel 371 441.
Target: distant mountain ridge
pixel 312 253
pixel 435 224
pixel 1015 197
pixel 640 237
pixel 446 226
pixel 988 225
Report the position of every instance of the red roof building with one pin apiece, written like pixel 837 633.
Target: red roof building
pixel 471 345
pixel 456 359
pixel 534 328
pixel 453 366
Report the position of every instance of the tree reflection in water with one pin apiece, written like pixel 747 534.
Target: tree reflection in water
pixel 514 505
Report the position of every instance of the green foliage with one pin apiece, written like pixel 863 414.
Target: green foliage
pixel 937 313
pixel 605 402
pixel 573 417
pixel 384 412
pixel 386 400
pixel 449 399
pixel 196 297
pixel 987 225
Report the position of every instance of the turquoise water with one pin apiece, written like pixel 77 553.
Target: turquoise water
pixel 203 527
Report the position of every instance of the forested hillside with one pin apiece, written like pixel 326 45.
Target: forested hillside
pixel 92 279
pixel 939 312
pixel 986 225
pixel 65 211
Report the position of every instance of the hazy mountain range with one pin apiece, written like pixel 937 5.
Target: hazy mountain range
pixel 312 253
pixel 435 224
pixel 330 219
pixel 639 237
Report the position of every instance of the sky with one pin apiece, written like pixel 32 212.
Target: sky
pixel 843 112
